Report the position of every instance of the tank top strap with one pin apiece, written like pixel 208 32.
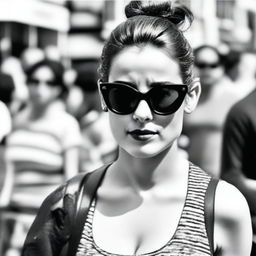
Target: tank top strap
pixel 191 232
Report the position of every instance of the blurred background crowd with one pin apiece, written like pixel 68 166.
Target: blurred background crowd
pixel 51 123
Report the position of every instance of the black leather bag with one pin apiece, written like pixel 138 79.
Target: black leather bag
pixel 58 225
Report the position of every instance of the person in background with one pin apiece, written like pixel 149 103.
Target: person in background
pixel 204 127
pixel 7 88
pixel 98 147
pixel 30 56
pixel 241 68
pixel 239 154
pixel 5 120
pixel 85 85
pixel 231 63
pixel 42 151
pixel 150 200
pixel 50 136
pixel 13 67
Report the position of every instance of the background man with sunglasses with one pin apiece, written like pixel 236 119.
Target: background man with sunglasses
pixel 204 126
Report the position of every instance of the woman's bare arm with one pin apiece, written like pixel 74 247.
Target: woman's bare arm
pixel 232 228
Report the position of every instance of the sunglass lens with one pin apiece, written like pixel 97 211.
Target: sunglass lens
pixel 162 99
pixel 166 100
pixel 120 99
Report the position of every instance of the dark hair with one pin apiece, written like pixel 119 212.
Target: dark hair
pixel 156 24
pixel 7 88
pixel 57 69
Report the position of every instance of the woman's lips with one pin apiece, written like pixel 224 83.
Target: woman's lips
pixel 142 135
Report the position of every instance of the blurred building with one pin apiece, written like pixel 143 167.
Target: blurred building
pixel 232 22
pixel 86 25
pixel 90 24
pixel 78 27
pixel 32 23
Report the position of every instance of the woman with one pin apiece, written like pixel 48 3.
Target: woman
pixel 150 201
pixel 43 147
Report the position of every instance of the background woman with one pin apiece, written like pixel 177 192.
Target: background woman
pixel 42 150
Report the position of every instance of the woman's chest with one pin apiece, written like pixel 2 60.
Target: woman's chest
pixel 145 228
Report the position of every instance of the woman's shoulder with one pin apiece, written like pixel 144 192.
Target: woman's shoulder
pixel 232 218
pixel 230 202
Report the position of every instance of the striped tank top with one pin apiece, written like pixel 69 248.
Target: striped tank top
pixel 190 237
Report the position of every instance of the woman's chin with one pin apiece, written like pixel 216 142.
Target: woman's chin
pixel 145 152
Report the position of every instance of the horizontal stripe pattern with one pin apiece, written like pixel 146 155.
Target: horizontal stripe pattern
pixel 29 136
pixel 190 237
pixel 36 148
pixel 191 232
pixel 31 196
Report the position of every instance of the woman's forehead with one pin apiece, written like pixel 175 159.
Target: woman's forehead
pixel 144 60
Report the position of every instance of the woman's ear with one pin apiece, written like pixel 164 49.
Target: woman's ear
pixel 192 96
pixel 103 104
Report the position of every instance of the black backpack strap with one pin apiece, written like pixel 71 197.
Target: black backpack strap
pixel 209 211
pixel 87 189
pixel 73 185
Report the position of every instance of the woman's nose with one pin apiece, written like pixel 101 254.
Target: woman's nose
pixel 143 112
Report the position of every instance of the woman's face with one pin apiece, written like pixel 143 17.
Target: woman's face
pixel 42 87
pixel 144 133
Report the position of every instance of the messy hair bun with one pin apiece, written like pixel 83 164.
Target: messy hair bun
pixel 176 14
pixel 160 24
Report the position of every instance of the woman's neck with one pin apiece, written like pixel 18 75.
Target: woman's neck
pixel 145 173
